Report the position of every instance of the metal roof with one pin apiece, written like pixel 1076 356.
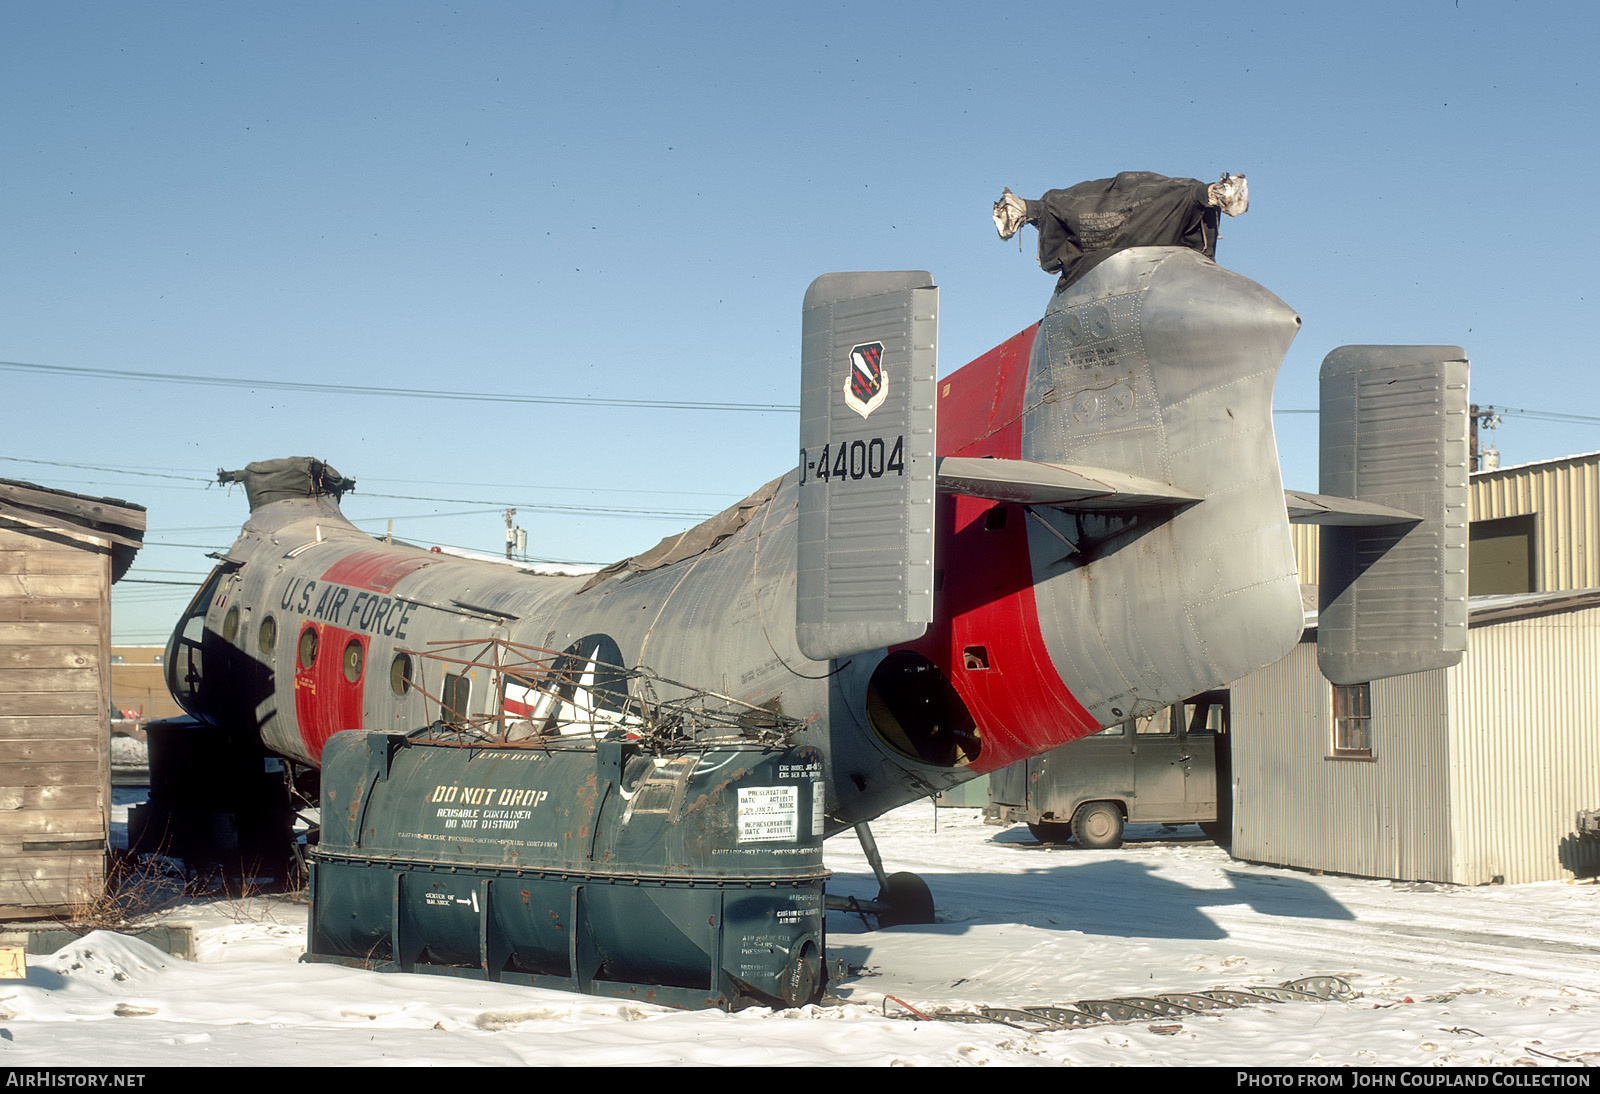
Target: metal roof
pixel 1501 607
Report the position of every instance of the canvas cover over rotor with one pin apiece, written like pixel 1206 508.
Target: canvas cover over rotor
pixel 1081 226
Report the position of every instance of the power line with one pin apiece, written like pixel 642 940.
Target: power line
pixel 1536 415
pixel 577 510
pixel 211 482
pixel 398 393
pixel 1547 415
pixel 549 486
pixel 97 467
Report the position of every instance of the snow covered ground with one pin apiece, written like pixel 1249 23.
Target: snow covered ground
pixel 1486 976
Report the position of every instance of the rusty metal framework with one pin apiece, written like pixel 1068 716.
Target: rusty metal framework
pixel 562 707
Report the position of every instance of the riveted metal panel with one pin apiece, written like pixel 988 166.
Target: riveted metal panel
pixel 868 366
pixel 1160 364
pixel 1394 431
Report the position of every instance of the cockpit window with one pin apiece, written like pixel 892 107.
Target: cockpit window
pixel 183 654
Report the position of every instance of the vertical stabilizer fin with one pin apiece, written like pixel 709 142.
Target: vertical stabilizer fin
pixel 1393 598
pixel 868 367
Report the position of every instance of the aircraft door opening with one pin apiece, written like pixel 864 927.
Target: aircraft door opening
pixel 914 709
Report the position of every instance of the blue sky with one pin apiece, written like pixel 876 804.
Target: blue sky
pixel 629 199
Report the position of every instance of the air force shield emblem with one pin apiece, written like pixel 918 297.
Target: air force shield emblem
pixel 867 386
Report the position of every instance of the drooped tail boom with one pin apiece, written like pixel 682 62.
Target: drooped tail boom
pixel 1111 535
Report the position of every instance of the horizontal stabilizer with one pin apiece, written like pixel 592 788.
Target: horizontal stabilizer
pixel 1072 486
pixel 1393 597
pixel 1342 512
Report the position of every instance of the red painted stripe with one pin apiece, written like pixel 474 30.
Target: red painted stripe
pixel 324 701
pixel 986 598
pixel 980 406
pixel 376 568
pixel 1021 704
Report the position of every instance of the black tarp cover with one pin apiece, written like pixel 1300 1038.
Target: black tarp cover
pixel 295 477
pixel 1083 225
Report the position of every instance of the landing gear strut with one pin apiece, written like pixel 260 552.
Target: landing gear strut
pixel 902 898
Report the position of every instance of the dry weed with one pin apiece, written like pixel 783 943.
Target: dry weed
pixel 137 886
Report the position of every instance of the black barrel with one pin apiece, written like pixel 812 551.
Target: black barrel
pixel 690 876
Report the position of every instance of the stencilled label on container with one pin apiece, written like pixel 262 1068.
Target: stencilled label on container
pixel 818 820
pixel 768 813
pixel 808 770
pixel 436 899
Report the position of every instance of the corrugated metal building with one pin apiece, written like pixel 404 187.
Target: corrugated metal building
pixel 1535 528
pixel 1468 774
pixel 59 554
pixel 1471 774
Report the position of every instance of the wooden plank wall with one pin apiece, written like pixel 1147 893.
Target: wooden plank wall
pixel 55 626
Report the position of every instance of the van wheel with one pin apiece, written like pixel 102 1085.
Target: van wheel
pixel 1051 831
pixel 1098 825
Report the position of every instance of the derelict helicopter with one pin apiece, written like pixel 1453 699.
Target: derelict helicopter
pixel 1085 524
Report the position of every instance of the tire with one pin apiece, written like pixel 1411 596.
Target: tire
pixel 909 900
pixel 1098 825
pixel 1051 831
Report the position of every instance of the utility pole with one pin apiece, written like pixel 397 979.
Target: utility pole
pixel 1491 455
pixel 511 534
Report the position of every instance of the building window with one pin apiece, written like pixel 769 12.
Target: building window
pixel 1158 724
pixel 1352 719
pixel 1504 556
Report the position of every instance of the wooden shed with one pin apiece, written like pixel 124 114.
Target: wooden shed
pixel 59 555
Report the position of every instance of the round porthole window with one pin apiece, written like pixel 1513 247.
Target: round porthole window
pixel 230 625
pixel 400 673
pixel 308 647
pixel 267 637
pixel 354 658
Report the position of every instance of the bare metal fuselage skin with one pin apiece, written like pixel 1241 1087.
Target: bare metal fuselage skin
pixel 1050 621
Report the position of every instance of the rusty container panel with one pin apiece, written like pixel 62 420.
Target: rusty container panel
pixel 688 876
